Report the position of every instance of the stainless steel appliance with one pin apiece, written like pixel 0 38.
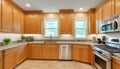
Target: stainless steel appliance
pixel 64 52
pixel 111 25
pixel 103 53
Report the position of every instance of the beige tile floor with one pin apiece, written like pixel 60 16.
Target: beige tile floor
pixel 43 64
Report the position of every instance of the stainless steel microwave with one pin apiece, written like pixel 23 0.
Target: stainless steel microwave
pixel 111 25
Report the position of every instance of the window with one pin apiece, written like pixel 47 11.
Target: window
pixel 51 27
pixel 80 28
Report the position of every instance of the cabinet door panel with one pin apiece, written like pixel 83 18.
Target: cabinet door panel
pixel 7 16
pixel 0 15
pixel 117 7
pixel 34 51
pixel 54 52
pixel 9 61
pixel 1 60
pixel 45 52
pixel 75 52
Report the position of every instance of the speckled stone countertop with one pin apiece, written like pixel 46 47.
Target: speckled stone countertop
pixel 116 55
pixel 16 44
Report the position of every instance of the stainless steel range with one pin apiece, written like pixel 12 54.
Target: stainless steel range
pixel 103 53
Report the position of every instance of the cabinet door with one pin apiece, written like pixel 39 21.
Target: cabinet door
pixel 7 16
pixel 0 15
pixel 117 7
pixel 116 63
pixel 36 24
pixel 54 52
pixel 17 21
pixel 1 60
pixel 69 23
pixel 75 52
pixel 46 52
pixel 84 55
pixel 34 51
pixel 19 57
pixel 9 61
pixel 107 7
pixel 63 23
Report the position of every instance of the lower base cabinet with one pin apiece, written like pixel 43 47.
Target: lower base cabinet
pixel 14 56
pixel 115 63
pixel 43 51
pixel 81 53
pixel 1 60
pixel 49 51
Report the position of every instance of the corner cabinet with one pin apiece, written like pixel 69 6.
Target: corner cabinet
pixel 81 53
pixel 14 56
pixel 33 21
pixel 66 21
pixel 7 16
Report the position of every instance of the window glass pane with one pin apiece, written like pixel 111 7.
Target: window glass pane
pixel 80 33
pixel 80 24
pixel 51 23
pixel 51 32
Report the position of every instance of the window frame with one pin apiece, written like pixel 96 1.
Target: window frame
pixel 86 33
pixel 51 28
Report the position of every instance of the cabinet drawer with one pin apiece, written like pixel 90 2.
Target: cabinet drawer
pixel 12 50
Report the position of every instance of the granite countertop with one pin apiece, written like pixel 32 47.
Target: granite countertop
pixel 116 55
pixel 12 45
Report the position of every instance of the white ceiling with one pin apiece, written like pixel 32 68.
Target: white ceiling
pixel 55 5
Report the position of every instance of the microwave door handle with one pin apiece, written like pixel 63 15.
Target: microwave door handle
pixel 105 59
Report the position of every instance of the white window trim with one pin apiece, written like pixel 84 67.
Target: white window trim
pixel 86 34
pixel 50 28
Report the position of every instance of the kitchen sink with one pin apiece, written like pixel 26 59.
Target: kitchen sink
pixel 50 42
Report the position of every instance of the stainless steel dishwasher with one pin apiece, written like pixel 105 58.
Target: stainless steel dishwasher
pixel 65 52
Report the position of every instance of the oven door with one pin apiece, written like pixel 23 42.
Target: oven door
pixel 102 62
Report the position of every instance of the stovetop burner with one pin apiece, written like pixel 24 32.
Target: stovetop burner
pixel 108 48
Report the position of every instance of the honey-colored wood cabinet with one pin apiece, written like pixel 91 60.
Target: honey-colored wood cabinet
pixel 115 63
pixel 117 7
pixel 81 53
pixel 1 60
pixel 0 15
pixel 92 22
pixel 7 16
pixel 49 51
pixel 66 21
pixel 34 51
pixel 107 7
pixel 33 21
pixel 18 21
pixel 14 56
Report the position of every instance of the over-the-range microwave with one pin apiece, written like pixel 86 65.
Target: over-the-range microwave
pixel 111 25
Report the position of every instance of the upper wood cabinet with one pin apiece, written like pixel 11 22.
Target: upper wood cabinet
pixel 18 21
pixel 107 10
pixel 66 21
pixel 117 7
pixel 0 15
pixel 33 21
pixel 7 16
pixel 92 22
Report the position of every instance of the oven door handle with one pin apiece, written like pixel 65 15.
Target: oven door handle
pixel 105 59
